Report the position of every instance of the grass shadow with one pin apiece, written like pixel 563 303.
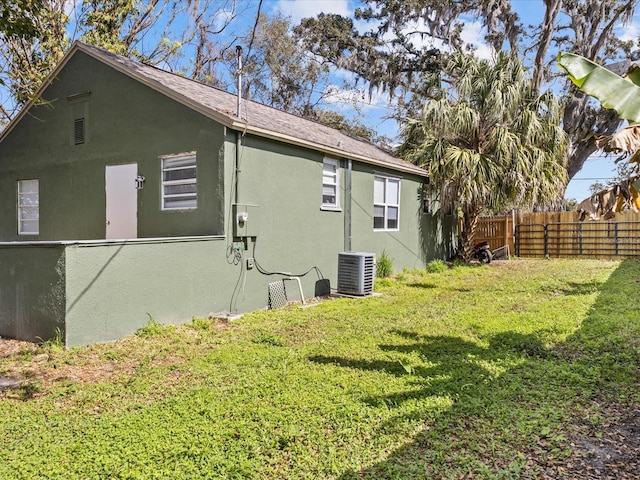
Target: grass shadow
pixel 421 285
pixel 575 288
pixel 540 388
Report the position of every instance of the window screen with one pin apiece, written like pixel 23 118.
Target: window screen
pixel 179 185
pixel 28 207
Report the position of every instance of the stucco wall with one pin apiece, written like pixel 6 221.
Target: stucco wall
pixel 295 234
pixel 126 123
pixel 32 291
pixel 420 237
pixel 114 288
pixel 97 291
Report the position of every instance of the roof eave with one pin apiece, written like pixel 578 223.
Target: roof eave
pixel 234 123
pixel 208 112
pixel 243 127
pixel 226 120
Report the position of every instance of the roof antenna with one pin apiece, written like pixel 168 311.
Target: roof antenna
pixel 239 73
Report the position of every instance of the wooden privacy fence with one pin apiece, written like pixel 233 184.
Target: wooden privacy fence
pixel 498 231
pixel 560 234
pixel 592 239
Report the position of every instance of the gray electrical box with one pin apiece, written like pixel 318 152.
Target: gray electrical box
pixel 246 220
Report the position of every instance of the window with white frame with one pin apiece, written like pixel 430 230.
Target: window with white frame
pixel 179 187
pixel 28 207
pixel 386 203
pixel 330 184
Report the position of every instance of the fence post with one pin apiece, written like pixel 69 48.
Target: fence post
pixel 615 230
pixel 580 236
pixel 506 231
pixel 546 240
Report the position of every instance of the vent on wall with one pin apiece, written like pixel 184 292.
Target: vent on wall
pixel 356 272
pixel 78 131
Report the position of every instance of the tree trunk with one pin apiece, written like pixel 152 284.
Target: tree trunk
pixel 584 124
pixel 552 8
pixel 468 230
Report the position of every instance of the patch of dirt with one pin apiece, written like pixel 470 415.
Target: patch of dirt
pixel 28 364
pixel 610 451
pixel 11 347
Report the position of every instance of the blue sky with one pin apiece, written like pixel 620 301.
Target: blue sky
pixel 374 110
pixel 597 168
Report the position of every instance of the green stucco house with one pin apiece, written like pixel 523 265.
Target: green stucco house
pixel 128 192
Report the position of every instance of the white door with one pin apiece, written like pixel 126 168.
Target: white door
pixel 122 201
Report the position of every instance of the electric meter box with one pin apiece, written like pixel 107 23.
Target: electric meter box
pixel 246 220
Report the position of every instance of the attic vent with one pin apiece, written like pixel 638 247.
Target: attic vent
pixel 78 131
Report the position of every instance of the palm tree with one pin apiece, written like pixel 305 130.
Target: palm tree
pixel 488 142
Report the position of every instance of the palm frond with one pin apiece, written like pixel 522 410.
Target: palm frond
pixel 488 142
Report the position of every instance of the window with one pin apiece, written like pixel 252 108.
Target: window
pixel 386 203
pixel 179 188
pixel 28 207
pixel 330 184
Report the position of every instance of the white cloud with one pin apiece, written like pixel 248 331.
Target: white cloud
pixel 70 7
pixel 473 34
pixel 629 32
pixel 299 9
pixel 221 18
pixel 343 75
pixel 344 97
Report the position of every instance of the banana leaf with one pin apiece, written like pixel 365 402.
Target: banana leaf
pixel 613 91
pixel 624 140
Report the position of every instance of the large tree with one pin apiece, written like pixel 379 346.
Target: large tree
pixel 153 31
pixel 278 71
pixel 25 60
pixel 488 141
pixel 408 42
pixel 18 18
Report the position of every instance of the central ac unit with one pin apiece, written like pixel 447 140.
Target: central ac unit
pixel 356 272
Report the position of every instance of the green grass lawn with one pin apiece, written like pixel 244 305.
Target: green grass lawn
pixel 474 372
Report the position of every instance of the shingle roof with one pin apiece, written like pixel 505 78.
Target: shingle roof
pixel 256 118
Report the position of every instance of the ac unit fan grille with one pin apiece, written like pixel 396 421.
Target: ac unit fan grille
pixel 356 273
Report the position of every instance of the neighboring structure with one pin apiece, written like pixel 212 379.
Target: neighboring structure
pixel 129 192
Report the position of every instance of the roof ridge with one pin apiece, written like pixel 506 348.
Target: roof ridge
pixel 219 105
pixel 231 94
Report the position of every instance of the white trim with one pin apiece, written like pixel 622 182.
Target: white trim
pixel 179 155
pixel 188 181
pixel 35 207
pixel 335 183
pixel 386 204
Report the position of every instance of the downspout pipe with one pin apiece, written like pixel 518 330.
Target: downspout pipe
pixel 238 133
pixel 347 207
pixel 238 171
